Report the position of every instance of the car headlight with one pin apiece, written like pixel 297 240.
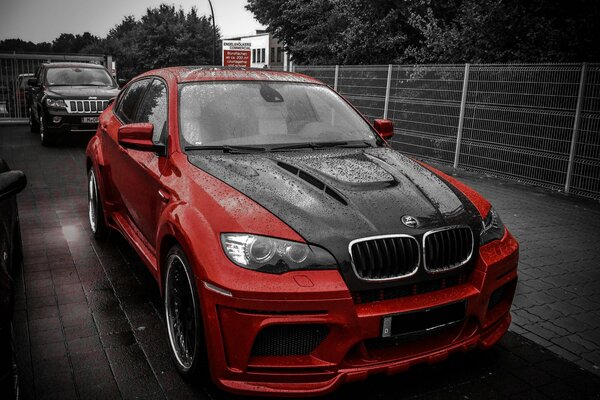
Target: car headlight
pixel 56 103
pixel 275 256
pixel 493 228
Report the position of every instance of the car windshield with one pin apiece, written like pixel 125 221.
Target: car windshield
pixel 78 76
pixel 268 115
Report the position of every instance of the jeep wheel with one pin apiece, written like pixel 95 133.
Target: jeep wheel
pixel 46 137
pixel 34 126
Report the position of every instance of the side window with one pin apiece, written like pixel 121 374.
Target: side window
pixel 130 99
pixel 154 108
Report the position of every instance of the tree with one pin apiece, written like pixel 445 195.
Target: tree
pixel 69 43
pixel 338 31
pixel 163 37
pixel 429 31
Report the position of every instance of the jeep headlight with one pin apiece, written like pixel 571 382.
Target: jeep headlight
pixel 275 256
pixel 493 228
pixel 56 103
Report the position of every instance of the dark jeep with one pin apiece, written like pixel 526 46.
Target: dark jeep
pixel 68 98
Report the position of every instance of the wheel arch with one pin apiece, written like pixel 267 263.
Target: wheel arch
pixel 176 225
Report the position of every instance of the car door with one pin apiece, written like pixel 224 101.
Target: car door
pixel 36 93
pixel 152 109
pixel 135 174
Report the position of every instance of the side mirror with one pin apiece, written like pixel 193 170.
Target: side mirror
pixel 32 82
pixel 384 127
pixel 122 82
pixel 139 137
pixel 11 183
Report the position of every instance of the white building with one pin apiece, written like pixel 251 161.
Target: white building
pixel 264 50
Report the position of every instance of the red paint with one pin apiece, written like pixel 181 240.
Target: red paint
pixel 200 207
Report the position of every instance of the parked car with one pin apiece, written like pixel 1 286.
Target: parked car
pixel 11 256
pixel 19 98
pixel 294 248
pixel 68 98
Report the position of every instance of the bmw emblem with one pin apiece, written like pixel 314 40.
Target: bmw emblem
pixel 409 221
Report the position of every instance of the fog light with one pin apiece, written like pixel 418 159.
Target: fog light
pixel 56 120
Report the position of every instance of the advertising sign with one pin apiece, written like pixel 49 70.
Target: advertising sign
pixel 236 53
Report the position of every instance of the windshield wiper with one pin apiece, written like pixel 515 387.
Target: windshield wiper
pixel 227 148
pixel 322 145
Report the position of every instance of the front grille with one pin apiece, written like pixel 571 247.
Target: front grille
pixel 289 340
pixel 86 106
pixel 385 257
pixel 447 248
pixel 370 296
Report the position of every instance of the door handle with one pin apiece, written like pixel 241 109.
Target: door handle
pixel 164 196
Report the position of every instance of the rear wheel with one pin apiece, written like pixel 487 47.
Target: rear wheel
pixel 95 211
pixel 183 317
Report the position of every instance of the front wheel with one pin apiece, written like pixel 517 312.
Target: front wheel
pixel 47 138
pixel 95 211
pixel 34 125
pixel 182 315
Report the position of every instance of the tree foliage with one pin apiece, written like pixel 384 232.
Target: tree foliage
pixel 164 36
pixel 432 31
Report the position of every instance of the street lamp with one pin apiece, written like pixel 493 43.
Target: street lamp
pixel 214 62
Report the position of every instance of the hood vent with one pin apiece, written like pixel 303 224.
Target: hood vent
pixel 313 181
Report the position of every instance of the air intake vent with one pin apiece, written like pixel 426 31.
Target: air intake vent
pixel 385 257
pixel 313 181
pixel 289 340
pixel 447 248
pixel 373 295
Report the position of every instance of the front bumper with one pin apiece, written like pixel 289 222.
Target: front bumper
pixel 70 123
pixel 353 347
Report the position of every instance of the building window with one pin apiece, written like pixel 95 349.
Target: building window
pixel 263 55
pixel 253 55
pixel 272 54
pixel 279 51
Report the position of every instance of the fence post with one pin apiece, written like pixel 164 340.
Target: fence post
pixel 335 79
pixel 387 92
pixel 576 125
pixel 461 118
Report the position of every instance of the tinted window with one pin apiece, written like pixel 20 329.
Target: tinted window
pixel 130 99
pixel 79 77
pixel 154 109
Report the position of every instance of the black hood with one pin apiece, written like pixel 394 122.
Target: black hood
pixel 331 197
pixel 82 92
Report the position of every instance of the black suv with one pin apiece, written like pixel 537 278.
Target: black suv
pixel 68 97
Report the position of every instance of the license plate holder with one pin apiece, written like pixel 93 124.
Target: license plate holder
pixel 89 120
pixel 423 321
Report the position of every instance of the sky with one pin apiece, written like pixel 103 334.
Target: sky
pixel 44 20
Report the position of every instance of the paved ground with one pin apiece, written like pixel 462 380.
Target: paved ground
pixel 558 296
pixel 87 324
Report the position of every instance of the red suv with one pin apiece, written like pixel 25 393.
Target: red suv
pixel 294 248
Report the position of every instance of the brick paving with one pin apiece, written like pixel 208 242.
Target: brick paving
pixel 557 304
pixel 87 324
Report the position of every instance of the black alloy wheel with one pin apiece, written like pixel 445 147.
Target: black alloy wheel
pixel 182 315
pixel 95 211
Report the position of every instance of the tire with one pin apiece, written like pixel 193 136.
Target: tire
pixel 47 138
pixel 34 125
pixel 95 211
pixel 185 329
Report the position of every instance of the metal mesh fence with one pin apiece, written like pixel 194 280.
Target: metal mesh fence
pixel 519 121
